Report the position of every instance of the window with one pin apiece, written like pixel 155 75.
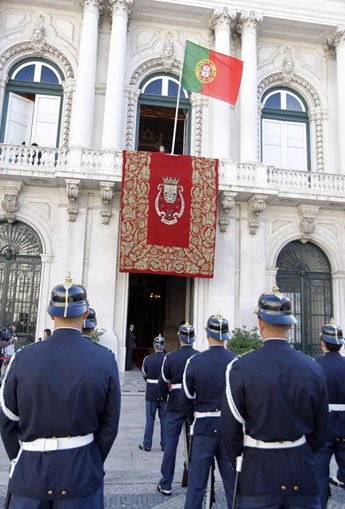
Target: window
pixel 33 104
pixel 285 130
pixel 156 116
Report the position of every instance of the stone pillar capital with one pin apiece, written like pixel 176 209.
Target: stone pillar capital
pixel 221 19
pixel 120 7
pixel 247 22
pixel 91 5
pixel 337 38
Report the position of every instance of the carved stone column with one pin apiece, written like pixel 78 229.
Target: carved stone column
pixel 220 25
pixel 107 192
pixel 256 206
pixel 10 201
pixel 84 97
pixel 247 26
pixel 72 189
pixel 113 114
pixel 226 203
pixel 337 39
pixel 307 214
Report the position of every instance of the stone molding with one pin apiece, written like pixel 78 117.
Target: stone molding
pixel 226 203
pixel 307 214
pixel 10 201
pixel 256 206
pixel 107 192
pixel 72 190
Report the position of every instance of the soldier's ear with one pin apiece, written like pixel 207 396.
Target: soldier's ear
pixel 85 314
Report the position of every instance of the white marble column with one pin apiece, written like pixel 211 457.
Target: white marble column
pixel 339 43
pixel 84 97
pixel 113 124
pixel 248 92
pixel 220 23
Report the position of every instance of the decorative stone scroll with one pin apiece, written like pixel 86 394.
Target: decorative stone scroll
pixel 257 205
pixel 107 192
pixel 226 202
pixel 72 189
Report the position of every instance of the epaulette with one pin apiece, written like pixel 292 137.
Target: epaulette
pixel 29 345
pixel 102 346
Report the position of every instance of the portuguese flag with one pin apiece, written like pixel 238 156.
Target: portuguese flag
pixel 210 73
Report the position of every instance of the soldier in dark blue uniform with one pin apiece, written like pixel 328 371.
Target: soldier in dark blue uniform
pixel 275 414
pixel 151 368
pixel 60 412
pixel 201 397
pixel 170 383
pixel 90 323
pixel 333 365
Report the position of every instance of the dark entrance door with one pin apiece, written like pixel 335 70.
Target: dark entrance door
pixel 20 277
pixel 157 305
pixel 304 274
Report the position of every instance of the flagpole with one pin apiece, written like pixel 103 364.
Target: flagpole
pixel 178 102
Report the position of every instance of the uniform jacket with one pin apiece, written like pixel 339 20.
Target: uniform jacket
pixel 277 394
pixel 151 368
pixel 66 385
pixel 172 373
pixel 203 387
pixel 333 365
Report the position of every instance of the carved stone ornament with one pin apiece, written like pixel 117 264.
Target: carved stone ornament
pixel 168 55
pixel 120 6
pixel 107 192
pixel 226 203
pixel 10 202
pixel 247 21
pixel 221 19
pixel 307 214
pixel 288 67
pixel 257 205
pixel 72 189
pixel 38 41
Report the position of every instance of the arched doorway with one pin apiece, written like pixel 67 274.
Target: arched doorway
pixel 157 304
pixel 304 274
pixel 20 277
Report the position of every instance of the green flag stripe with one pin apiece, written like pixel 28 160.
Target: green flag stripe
pixel 193 55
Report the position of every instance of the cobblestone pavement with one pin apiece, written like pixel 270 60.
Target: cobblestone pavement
pixel 132 475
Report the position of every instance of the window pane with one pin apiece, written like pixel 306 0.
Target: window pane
pixel 296 146
pixel 272 143
pixel 293 104
pixel 273 102
pixel 155 87
pixel 26 73
pixel 172 89
pixel 48 76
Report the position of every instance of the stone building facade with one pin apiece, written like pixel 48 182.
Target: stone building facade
pixel 81 81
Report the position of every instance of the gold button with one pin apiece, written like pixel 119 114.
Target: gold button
pixel 63 492
pixel 295 488
pixel 283 488
pixel 50 492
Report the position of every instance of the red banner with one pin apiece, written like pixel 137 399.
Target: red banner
pixel 168 214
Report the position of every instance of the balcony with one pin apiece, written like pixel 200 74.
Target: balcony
pixel 51 166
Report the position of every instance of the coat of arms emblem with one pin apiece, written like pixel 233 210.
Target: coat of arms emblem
pixel 169 203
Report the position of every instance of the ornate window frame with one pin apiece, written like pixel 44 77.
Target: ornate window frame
pixel 305 88
pixel 28 49
pixel 145 69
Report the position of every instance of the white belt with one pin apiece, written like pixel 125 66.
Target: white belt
pixel 197 415
pixel 55 444
pixel 253 442
pixel 176 386
pixel 151 381
pixel 336 408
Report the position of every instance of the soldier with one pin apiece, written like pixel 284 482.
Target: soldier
pixel 201 397
pixel 275 413
pixel 170 383
pixel 90 323
pixel 333 365
pixel 151 368
pixel 60 412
